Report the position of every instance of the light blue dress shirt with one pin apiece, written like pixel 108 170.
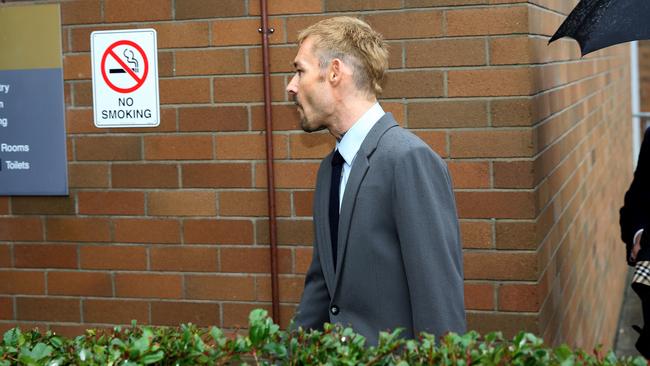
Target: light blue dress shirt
pixel 349 145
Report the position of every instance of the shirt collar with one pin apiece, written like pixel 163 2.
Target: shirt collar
pixel 353 138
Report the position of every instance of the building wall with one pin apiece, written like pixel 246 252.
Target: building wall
pixel 644 75
pixel 169 225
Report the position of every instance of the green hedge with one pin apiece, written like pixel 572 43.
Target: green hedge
pixel 266 344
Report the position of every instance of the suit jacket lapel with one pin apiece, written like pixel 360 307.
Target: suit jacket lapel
pixel 357 174
pixel 323 224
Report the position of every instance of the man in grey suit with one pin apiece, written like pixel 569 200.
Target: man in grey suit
pixel 387 249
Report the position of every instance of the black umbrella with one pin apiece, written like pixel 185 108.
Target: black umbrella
pixel 596 24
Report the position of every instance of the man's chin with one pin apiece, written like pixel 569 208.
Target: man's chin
pixel 307 127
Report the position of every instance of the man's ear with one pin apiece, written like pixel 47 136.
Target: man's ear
pixel 334 72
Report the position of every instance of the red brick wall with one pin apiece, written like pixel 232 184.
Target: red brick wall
pixel 169 225
pixel 644 75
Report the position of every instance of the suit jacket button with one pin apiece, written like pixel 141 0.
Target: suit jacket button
pixel 334 309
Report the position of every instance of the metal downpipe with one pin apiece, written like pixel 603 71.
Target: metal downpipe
pixel 266 31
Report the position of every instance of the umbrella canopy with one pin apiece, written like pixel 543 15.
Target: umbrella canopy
pixel 596 24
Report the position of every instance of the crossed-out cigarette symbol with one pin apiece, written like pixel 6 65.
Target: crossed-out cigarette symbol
pixel 130 58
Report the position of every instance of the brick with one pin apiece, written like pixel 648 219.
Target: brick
pixel 310 146
pixel 88 175
pixel 5 256
pixel 80 120
pixel 280 59
pixel 500 266
pixel 146 285
pixel 178 147
pixel 43 205
pixel 229 32
pixel 165 65
pixel 48 309
pixel 146 231
pixel 218 232
pixel 193 9
pixel 82 93
pixel 115 311
pixel 4 205
pixel 289 288
pixel 469 174
pixel 182 34
pixel 73 331
pixel 144 176
pixel 21 229
pixel 408 24
pixel 514 174
pixel 247 89
pixel 284 117
pixel 253 260
pixel 176 313
pixel 249 146
pixel 108 148
pixel 210 62
pixel 185 91
pixel 112 257
pixel 303 259
pixel 437 140
pixel 219 175
pixel 111 203
pixel 487 21
pixel 413 84
pixel 76 67
pixel 213 119
pixel 45 256
pixel 507 323
pixel 445 52
pixel 510 50
pixel 492 143
pixel 303 202
pixel 218 287
pixel 479 296
pixel 429 3
pixel 476 234
pixel 22 282
pixel 79 284
pixel 490 82
pixel 80 12
pixel 235 315
pixel 184 259
pixel 287 7
pixel 344 5
pixel 253 203
pixel 6 309
pixel 181 203
pixel 516 297
pixel 137 10
pixel 77 229
pixel 516 235
pixel 297 24
pixel 288 175
pixel 447 113
pixel 495 204
pixel 289 232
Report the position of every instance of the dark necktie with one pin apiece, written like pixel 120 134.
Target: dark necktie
pixel 337 165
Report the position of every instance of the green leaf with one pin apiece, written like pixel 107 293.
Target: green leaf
pixel 11 337
pixel 152 358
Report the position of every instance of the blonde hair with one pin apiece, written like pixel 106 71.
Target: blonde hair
pixel 353 41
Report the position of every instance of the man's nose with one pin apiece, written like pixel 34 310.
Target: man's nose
pixel 292 86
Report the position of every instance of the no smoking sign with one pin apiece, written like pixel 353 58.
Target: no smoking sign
pixel 125 78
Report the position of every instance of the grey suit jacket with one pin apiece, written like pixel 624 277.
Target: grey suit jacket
pixel 399 259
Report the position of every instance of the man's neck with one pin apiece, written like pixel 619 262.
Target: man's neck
pixel 348 114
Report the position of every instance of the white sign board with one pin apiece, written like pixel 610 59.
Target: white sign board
pixel 125 78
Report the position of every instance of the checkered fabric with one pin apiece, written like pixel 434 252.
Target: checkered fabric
pixel 642 273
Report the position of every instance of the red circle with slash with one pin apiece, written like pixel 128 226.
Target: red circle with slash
pixel 138 80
